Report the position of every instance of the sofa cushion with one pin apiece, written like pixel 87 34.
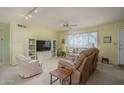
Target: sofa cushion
pixel 81 57
pixel 86 52
pixel 79 60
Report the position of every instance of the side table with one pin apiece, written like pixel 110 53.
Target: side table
pixel 61 74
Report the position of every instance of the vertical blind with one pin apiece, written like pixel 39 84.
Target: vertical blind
pixel 82 40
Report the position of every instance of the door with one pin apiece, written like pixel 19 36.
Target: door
pixel 121 46
pixel 1 46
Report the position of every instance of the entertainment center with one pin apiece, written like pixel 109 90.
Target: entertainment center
pixel 40 47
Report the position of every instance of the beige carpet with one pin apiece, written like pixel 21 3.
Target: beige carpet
pixel 105 74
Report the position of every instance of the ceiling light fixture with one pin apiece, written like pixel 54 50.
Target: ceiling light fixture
pixel 35 11
pixel 26 18
pixel 30 13
pixel 29 16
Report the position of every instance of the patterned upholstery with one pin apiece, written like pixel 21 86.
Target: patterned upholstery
pixel 83 66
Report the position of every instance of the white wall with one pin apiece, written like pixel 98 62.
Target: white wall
pixel 19 41
pixel 109 50
pixel 19 38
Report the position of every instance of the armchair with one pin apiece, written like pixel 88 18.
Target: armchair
pixel 28 67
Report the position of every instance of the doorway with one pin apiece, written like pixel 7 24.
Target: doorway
pixel 121 46
pixel 1 47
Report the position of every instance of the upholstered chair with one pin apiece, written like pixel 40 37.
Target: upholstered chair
pixel 82 65
pixel 28 67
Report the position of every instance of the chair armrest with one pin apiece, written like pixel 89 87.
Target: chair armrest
pixel 67 64
pixel 72 56
pixel 34 62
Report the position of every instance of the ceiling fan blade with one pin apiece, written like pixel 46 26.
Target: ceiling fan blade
pixel 65 25
pixel 73 25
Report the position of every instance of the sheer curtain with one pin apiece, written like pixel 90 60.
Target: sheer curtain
pixel 82 40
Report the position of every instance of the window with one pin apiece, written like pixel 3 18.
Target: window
pixel 82 40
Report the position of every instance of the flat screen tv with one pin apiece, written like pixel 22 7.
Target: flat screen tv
pixel 43 45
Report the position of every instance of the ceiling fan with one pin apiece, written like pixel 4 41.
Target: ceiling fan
pixel 68 25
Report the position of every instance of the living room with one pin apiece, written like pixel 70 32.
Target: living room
pixel 49 34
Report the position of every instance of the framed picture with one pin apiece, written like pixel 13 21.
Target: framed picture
pixel 107 39
pixel 63 41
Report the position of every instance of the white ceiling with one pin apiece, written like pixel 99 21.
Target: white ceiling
pixel 54 17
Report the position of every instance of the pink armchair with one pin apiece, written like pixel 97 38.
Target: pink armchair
pixel 28 67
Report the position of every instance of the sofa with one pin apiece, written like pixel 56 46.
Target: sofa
pixel 82 64
pixel 28 67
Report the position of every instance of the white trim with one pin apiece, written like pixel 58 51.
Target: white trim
pixel 2 51
pixel 118 44
pixel 118 51
pixel 11 44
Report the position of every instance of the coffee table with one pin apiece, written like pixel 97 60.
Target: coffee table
pixel 61 74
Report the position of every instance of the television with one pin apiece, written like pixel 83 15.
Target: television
pixel 43 45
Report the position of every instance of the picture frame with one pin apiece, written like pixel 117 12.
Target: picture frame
pixel 107 39
pixel 63 41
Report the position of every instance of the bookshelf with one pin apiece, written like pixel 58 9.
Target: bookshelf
pixel 54 48
pixel 32 49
